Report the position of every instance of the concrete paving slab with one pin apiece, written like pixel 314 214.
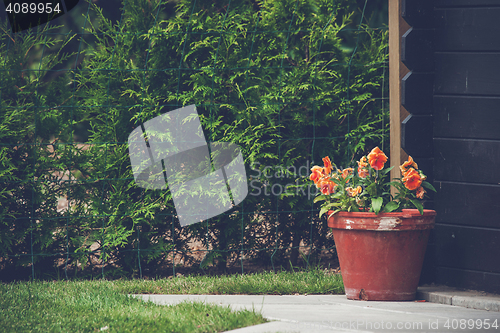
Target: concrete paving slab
pixel 466 298
pixel 335 313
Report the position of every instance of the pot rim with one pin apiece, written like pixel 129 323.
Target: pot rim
pixel 406 213
pixel 408 219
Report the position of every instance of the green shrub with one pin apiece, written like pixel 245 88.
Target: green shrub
pixel 274 77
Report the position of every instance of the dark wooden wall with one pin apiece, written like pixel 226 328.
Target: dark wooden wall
pixel 461 38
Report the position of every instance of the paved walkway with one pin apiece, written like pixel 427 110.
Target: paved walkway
pixel 335 313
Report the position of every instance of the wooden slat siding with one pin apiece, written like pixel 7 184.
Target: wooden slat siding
pixel 467 117
pixel 416 135
pixel 416 92
pixel 417 53
pixel 457 247
pixel 469 204
pixel 471 29
pixel 418 13
pixel 469 161
pixel 417 49
pixel 467 74
pixel 470 3
pixel 466 240
pixel 428 274
pixel 475 280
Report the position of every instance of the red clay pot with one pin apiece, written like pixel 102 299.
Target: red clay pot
pixel 381 256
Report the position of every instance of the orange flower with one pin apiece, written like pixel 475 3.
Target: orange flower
pixel 412 179
pixel 346 172
pixel 328 165
pixel 410 163
pixel 377 158
pixel 327 187
pixel 317 174
pixel 363 173
pixel 354 191
pixel 317 169
pixel 362 164
pixel 420 192
pixel 359 189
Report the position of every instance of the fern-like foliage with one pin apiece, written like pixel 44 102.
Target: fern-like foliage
pixel 273 76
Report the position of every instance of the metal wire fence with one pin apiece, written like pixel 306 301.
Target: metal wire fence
pixel 288 81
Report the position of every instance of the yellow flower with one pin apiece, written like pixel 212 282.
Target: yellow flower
pixel 352 192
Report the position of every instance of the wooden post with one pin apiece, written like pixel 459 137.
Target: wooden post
pixel 397 70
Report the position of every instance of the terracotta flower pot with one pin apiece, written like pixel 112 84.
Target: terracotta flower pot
pixel 381 256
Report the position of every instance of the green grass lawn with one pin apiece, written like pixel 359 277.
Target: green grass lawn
pixel 101 305
pixel 267 283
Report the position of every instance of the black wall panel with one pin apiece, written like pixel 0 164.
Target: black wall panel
pixel 467 117
pixel 417 49
pixel 458 247
pixel 468 161
pixel 467 73
pixel 475 29
pixel 416 92
pixel 468 279
pixel 418 14
pixel 416 135
pixel 459 43
pixel 474 205
pixel 467 3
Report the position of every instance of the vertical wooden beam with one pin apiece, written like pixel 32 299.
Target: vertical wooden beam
pixel 397 70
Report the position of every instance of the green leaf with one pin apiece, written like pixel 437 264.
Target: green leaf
pixel 322 211
pixel 428 186
pixel 327 207
pixel 338 181
pixel 377 204
pixel 391 206
pixel 400 187
pixel 371 189
pixel 334 212
pixel 337 195
pixel 386 171
pixel 319 198
pixel 418 205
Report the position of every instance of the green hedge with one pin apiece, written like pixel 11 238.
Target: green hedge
pixel 275 77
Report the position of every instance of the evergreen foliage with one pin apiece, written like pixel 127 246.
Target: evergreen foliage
pixel 274 77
